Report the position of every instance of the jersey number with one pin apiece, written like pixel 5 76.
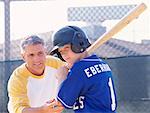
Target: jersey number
pixel 113 104
pixel 79 103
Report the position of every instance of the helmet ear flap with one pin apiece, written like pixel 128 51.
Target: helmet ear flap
pixel 79 43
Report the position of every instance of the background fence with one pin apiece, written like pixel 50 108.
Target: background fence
pixel 129 61
pixel 131 77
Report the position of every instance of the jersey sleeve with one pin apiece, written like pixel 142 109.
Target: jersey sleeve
pixel 70 89
pixel 17 93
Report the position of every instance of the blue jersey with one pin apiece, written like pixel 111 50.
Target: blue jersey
pixel 89 87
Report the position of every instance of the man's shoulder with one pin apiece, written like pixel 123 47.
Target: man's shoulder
pixel 49 57
pixel 53 61
pixel 20 71
pixel 18 76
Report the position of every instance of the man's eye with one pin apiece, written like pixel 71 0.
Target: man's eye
pixel 31 55
pixel 41 53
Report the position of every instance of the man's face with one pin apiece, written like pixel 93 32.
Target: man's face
pixel 35 57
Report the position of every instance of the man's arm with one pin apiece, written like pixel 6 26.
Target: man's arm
pixel 62 73
pixel 17 93
pixel 49 107
pixel 33 110
pixel 18 100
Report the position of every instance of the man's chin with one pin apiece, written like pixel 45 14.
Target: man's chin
pixel 38 67
pixel 39 71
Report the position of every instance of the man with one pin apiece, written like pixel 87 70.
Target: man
pixel 88 87
pixel 33 84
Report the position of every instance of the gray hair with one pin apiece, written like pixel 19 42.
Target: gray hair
pixel 31 40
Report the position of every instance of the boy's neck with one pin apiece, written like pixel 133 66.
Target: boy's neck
pixel 84 55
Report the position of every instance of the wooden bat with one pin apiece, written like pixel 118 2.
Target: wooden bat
pixel 119 26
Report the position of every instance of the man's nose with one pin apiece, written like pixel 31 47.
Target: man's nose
pixel 37 58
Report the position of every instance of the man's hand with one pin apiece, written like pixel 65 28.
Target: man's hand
pixel 50 107
pixel 62 73
pixel 53 107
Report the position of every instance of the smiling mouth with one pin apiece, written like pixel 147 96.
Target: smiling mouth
pixel 37 64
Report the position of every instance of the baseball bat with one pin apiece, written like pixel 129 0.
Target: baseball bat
pixel 119 26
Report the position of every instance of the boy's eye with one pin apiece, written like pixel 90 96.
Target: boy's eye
pixel 64 50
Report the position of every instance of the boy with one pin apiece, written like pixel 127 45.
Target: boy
pixel 88 86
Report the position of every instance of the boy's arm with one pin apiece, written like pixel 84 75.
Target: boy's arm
pixel 70 88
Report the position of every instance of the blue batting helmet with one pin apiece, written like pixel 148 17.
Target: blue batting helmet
pixel 70 35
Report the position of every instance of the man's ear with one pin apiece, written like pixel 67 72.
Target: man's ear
pixel 22 55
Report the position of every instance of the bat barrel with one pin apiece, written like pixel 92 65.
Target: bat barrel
pixel 118 27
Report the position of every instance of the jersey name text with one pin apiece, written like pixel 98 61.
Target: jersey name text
pixel 95 69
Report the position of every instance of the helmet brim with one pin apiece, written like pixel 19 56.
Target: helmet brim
pixel 54 50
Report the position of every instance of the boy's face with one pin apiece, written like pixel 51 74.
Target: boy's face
pixel 68 55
